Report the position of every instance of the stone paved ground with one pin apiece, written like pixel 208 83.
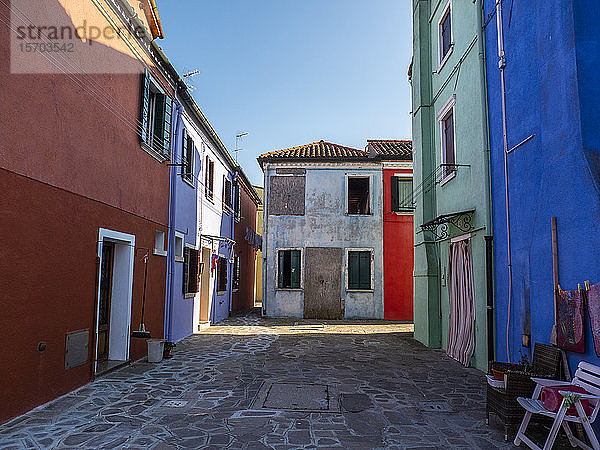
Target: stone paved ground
pixel 385 390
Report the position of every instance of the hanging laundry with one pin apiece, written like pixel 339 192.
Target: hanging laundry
pixel 593 304
pixel 570 321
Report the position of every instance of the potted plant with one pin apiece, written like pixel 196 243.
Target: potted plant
pixel 167 351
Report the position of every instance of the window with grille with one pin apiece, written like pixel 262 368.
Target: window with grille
pixel 288 274
pixel 359 270
pixel 402 188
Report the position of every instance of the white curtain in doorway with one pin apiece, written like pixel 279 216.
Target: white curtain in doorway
pixel 461 329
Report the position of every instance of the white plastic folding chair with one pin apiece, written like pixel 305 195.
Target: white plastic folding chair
pixel 587 377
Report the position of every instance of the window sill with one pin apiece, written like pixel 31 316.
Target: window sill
pixel 209 198
pixel 227 209
pixel 189 295
pixel 188 182
pixel 445 58
pixel 158 156
pixel 447 178
pixel 159 252
pixel 179 259
pixel 359 215
pixel 289 289
pixel 361 290
pixel 219 293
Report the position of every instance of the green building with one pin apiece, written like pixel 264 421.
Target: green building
pixel 453 298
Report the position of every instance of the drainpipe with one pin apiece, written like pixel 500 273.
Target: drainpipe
pixel 168 331
pixel 487 167
pixel 502 66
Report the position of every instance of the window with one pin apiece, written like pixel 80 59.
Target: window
pixel 402 191
pixel 235 282
pixel 159 243
pixel 359 270
pixel 445 34
pixel 156 117
pixel 288 274
pixel 227 192
pixel 178 247
pixel 222 274
pixel 446 119
pixel 190 271
pixel 358 198
pixel 187 158
pixel 209 178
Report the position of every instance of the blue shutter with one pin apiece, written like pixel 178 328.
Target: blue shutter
pixel 145 102
pixel 183 152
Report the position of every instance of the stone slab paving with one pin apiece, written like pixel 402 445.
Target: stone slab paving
pixel 390 392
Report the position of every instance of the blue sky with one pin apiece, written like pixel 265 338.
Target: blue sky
pixel 294 72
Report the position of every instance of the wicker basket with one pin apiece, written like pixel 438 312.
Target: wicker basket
pixel 517 382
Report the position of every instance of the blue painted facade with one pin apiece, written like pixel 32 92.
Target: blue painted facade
pixel 201 220
pixel 183 220
pixel 552 59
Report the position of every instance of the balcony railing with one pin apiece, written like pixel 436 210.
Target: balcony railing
pixel 441 173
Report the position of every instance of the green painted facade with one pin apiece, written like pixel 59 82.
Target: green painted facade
pixel 460 77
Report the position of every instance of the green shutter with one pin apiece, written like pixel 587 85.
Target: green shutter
pixel 295 269
pixel 280 269
pixel 365 270
pixel 145 102
pixel 159 120
pixel 353 270
pixel 394 191
pixel 405 188
pixel 167 114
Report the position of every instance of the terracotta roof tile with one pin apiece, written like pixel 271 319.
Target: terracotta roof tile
pixel 316 150
pixel 391 149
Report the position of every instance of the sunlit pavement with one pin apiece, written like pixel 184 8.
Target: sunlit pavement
pixel 265 383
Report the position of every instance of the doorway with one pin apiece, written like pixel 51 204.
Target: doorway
pixel 323 284
pixel 115 290
pixel 205 289
pixel 461 326
pixel 106 279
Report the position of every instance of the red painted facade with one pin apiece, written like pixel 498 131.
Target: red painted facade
pixel 397 256
pixel 243 298
pixel 68 167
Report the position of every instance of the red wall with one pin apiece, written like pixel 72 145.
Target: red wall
pixel 68 166
pixel 397 257
pixel 48 280
pixel 244 297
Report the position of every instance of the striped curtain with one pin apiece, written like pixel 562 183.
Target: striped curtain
pixel 461 329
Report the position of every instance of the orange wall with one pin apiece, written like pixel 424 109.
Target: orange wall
pixel 397 256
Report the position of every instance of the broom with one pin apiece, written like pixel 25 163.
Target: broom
pixel 142 333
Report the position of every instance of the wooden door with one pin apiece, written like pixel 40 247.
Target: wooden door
pixel 204 286
pixel 323 283
pixel 106 278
